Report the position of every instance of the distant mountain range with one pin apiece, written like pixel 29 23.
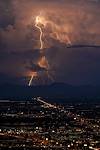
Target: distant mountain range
pixel 55 90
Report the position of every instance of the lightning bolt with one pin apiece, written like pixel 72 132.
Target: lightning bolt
pixel 30 82
pixel 61 38
pixel 58 33
pixel 43 62
pixel 68 40
pixel 34 74
pixel 37 21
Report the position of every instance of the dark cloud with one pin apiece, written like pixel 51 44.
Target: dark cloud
pixel 76 65
pixel 15 63
pixel 6 16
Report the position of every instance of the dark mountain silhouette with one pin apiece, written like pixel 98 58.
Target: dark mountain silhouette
pixel 55 90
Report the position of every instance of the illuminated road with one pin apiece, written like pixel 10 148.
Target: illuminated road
pixel 45 103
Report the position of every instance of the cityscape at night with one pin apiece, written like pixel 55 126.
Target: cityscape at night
pixel 50 74
pixel 38 124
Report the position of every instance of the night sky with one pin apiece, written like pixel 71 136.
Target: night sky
pixel 76 64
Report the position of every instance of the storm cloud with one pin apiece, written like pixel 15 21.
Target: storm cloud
pixel 19 39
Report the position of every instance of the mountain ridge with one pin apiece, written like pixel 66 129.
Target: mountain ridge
pixel 54 90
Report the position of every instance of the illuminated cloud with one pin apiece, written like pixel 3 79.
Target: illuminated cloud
pixel 77 20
